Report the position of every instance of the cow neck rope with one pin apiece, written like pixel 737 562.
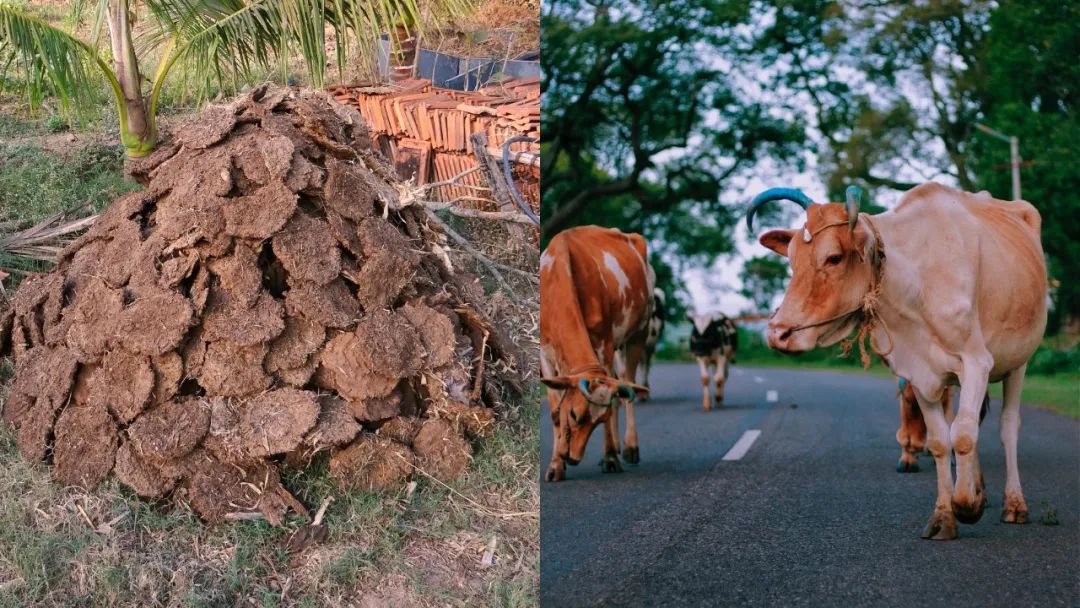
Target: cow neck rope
pixel 868 308
pixel 871 300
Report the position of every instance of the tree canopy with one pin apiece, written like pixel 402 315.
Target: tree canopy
pixel 644 123
pixel 1033 93
pixel 763 278
pixel 895 90
pixel 652 109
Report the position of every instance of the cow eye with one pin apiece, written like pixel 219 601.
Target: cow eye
pixel 834 259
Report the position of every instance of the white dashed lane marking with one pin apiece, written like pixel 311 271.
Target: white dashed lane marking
pixel 742 446
pixel 759 379
pixel 772 396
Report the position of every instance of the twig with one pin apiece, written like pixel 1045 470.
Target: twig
pixel 85 516
pixel 449 182
pixel 464 243
pixel 506 216
pixel 322 510
pixel 244 516
pixel 478 383
pixel 476 505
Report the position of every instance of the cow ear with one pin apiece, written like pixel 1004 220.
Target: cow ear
pixel 559 383
pixel 860 241
pixel 777 240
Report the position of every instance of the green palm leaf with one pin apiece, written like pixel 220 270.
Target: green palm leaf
pixel 222 41
pixel 48 59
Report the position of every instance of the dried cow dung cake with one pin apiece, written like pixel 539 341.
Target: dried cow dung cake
pixel 263 300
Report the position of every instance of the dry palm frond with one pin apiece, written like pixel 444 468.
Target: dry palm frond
pixel 42 241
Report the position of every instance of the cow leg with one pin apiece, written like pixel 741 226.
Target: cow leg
pixel 556 470
pixel 635 354
pixel 631 453
pixel 610 462
pixel 942 524
pixel 720 379
pixel 646 364
pixel 912 432
pixel 969 496
pixel 706 400
pixel 1015 509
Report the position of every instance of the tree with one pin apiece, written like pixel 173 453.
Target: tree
pixel 644 126
pixel 763 278
pixel 895 90
pixel 214 40
pixel 1033 92
pixel 894 87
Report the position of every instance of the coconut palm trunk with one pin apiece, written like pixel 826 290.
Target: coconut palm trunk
pixel 138 129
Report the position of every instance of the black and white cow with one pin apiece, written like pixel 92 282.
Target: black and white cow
pixel 656 331
pixel 713 342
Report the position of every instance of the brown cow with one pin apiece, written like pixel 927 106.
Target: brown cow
pixel 924 282
pixel 596 290
pixel 912 432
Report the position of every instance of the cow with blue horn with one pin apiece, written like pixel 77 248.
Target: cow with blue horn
pixel 713 342
pixel 923 283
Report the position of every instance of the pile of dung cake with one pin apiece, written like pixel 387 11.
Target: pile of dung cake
pixel 262 301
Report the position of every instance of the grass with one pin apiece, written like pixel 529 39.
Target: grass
pixel 1060 392
pixel 35 183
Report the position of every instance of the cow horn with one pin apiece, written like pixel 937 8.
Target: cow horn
pixel 854 196
pixel 775 194
pixel 583 386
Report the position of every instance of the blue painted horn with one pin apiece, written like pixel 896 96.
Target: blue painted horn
pixel 775 194
pixel 854 197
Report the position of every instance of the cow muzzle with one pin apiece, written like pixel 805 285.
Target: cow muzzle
pixel 782 337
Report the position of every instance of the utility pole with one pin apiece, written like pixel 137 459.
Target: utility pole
pixel 1014 153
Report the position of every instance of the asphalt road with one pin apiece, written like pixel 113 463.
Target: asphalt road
pixel 813 515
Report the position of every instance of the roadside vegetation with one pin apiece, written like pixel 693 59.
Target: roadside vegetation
pixel 1052 380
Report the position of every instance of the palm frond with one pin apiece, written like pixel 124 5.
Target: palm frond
pixel 41 242
pixel 96 10
pixel 220 42
pixel 48 59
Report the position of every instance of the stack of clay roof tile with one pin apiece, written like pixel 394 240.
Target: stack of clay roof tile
pixel 411 118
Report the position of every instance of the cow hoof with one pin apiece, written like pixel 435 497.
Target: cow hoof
pixel 907 467
pixel 555 474
pixel 631 455
pixel 1013 516
pixel 969 514
pixel 942 526
pixel 610 465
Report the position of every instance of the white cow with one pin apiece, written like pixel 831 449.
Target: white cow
pixel 951 289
